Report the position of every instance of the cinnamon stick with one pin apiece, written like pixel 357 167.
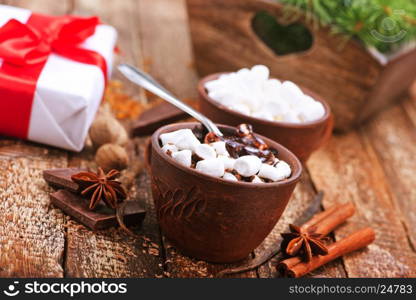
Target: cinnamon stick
pixel 295 267
pixel 329 219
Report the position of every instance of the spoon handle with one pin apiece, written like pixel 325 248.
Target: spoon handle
pixel 147 82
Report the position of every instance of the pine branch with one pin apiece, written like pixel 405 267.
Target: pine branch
pixel 382 24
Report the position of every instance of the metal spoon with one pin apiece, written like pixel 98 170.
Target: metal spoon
pixel 147 82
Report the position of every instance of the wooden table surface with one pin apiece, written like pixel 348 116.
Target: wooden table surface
pixel 373 167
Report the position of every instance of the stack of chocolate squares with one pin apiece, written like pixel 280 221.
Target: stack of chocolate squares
pixel 97 215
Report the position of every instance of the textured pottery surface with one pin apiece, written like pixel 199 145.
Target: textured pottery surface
pixel 302 139
pixel 211 218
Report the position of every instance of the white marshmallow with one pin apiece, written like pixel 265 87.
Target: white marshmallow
pixel 270 172
pixel 247 165
pixel 263 114
pixel 291 92
pixel 256 179
pixel 272 87
pixel 183 139
pixel 213 167
pixel 251 100
pixel 278 118
pixel 241 108
pixel 291 117
pixel 228 162
pixel 183 157
pixel 260 72
pixel 229 176
pixel 252 93
pixel 279 172
pixel 223 95
pixel 284 169
pixel 215 84
pixel 168 138
pixel 275 161
pixel 226 76
pixel 310 109
pixel 169 147
pixel 205 151
pixel 243 72
pixel 220 148
pixel 276 107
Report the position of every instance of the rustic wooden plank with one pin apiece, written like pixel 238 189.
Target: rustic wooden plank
pixel 32 234
pixel 168 57
pixel 301 200
pixel 112 253
pixel 348 170
pixel 43 6
pixel 166 45
pixel 123 16
pixel 393 136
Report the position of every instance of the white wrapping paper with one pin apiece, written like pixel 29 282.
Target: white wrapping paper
pixel 68 93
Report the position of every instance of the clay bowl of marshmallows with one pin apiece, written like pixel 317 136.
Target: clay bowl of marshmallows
pixel 280 110
pixel 218 198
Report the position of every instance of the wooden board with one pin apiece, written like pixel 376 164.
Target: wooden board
pixel 31 232
pixel 348 170
pixel 166 45
pixel 123 16
pixel 393 136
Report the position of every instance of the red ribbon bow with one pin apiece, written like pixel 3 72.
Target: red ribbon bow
pixel 24 49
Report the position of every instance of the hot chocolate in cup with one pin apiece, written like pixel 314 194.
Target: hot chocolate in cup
pixel 213 218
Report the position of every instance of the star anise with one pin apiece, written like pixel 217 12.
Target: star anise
pixel 305 243
pixel 100 186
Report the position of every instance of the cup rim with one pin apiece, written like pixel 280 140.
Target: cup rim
pixel 203 92
pixel 294 162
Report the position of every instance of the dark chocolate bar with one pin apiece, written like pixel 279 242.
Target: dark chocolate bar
pixel 156 117
pixel 61 178
pixel 101 217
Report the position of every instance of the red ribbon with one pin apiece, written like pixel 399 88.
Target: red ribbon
pixel 24 49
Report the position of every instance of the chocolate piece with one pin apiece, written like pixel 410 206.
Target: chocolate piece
pixel 156 117
pixel 61 178
pixel 100 218
pixel 243 142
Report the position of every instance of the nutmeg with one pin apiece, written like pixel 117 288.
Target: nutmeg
pixel 123 138
pixel 106 129
pixel 111 156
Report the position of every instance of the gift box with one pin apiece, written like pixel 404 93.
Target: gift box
pixel 53 72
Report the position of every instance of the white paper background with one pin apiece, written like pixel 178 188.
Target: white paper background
pixel 68 93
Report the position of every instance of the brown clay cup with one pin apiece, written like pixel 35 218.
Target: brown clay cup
pixel 211 218
pixel 302 139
